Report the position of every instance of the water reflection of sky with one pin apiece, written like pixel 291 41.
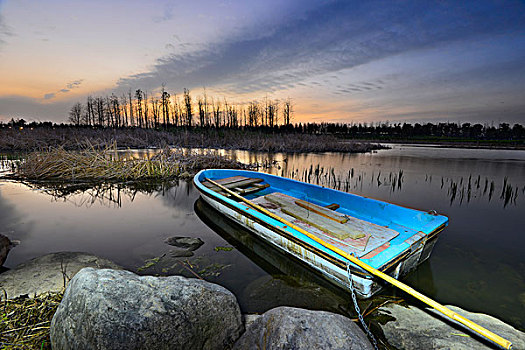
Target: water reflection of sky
pixel 477 263
pixel 80 222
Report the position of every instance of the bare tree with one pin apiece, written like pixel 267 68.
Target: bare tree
pixel 264 115
pixel 146 109
pixel 155 107
pixel 253 114
pixel 116 110
pixel 216 113
pixel 108 110
pixel 187 105
pixel 200 104
pixel 206 114
pixel 75 114
pixel 174 112
pixel 164 98
pixel 124 103
pixel 232 116
pixel 85 116
pixel 287 111
pixel 138 97
pixel 90 111
pixel 99 110
pixel 271 109
pixel 131 120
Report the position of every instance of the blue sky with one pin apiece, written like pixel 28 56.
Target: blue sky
pixel 344 61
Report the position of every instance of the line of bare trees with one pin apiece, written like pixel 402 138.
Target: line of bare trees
pixel 163 110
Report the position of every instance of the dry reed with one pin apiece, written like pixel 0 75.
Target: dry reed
pixel 91 163
pixel 25 322
pixel 14 140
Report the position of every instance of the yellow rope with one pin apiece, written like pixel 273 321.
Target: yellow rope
pixel 441 308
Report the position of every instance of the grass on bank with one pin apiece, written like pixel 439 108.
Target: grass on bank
pixel 91 163
pixel 25 322
pixel 75 138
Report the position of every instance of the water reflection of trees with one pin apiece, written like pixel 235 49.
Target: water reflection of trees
pixel 103 194
pixel 459 190
pixel 464 189
pixel 7 166
pixel 352 179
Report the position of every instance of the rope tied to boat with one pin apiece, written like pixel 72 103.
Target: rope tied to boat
pixel 357 308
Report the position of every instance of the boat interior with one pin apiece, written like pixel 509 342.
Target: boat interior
pixel 328 221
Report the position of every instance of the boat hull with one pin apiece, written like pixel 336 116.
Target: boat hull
pixel 330 267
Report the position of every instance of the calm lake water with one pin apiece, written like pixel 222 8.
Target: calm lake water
pixel 478 262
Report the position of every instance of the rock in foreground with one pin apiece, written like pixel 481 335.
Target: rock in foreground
pixel 48 273
pixel 292 328
pixel 416 328
pixel 109 309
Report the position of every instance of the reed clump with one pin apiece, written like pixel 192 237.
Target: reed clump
pixel 92 163
pixel 25 322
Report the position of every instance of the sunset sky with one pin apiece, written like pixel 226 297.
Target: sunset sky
pixel 342 61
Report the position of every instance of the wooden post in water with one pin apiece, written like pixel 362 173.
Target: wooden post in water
pixel 434 304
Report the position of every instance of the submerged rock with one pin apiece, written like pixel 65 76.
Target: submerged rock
pixel 109 309
pixel 48 273
pixel 180 253
pixel 292 328
pixel 417 328
pixel 188 243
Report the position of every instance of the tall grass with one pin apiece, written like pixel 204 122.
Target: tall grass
pixel 25 322
pixel 92 163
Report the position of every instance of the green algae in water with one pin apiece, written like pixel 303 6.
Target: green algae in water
pixel 225 249
pixel 149 263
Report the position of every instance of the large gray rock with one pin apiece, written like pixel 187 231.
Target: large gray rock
pixel 416 328
pixel 109 309
pixel 48 273
pixel 292 328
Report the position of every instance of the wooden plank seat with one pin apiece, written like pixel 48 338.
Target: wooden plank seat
pixel 327 213
pixel 289 206
pixel 332 223
pixel 252 189
pixel 240 184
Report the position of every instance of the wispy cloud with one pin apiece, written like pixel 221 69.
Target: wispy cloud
pixel 361 86
pixel 167 13
pixel 5 31
pixel 69 86
pixel 334 36
pixel 375 59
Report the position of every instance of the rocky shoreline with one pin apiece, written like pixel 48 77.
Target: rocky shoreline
pixel 107 307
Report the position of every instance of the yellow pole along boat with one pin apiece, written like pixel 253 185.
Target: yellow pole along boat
pixel 355 233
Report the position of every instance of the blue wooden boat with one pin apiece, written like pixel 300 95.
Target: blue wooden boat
pixel 390 238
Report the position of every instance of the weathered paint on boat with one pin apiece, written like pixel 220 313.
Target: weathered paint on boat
pixel 418 230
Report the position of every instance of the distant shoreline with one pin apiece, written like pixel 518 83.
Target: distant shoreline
pixel 272 141
pixel 452 144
